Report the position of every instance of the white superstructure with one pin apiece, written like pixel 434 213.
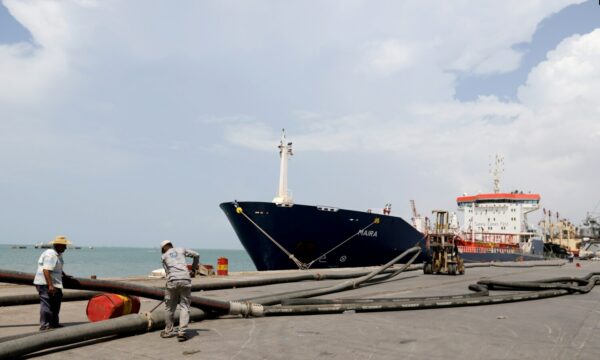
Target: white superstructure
pixel 497 217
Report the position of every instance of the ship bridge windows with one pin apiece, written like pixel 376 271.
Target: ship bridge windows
pixel 500 202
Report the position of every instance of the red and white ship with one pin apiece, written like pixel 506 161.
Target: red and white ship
pixel 495 227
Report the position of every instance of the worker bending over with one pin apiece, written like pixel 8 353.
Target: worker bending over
pixel 179 287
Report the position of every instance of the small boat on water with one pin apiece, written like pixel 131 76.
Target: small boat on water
pixel 42 246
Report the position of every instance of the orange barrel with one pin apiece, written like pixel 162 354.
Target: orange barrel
pixel 222 266
pixel 109 306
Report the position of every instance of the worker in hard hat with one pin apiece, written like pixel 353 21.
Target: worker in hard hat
pixel 49 283
pixel 179 287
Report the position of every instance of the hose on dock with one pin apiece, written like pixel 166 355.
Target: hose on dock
pixel 370 278
pixel 317 276
pixel 139 323
pixel 26 299
pixel 218 307
pixel 126 325
pixel 478 291
pixel 540 289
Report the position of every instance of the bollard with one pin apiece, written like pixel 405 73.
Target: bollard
pixel 222 266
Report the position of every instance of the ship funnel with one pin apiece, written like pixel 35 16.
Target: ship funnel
pixel 285 151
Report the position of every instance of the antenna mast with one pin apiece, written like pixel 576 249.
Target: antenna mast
pixel 497 170
pixel 285 151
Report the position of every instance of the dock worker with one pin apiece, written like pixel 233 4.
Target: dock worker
pixel 49 283
pixel 179 287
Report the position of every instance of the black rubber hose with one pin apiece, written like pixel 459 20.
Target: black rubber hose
pixel 534 263
pixel 281 297
pixel 482 291
pixel 350 284
pixel 207 304
pixel 25 299
pixel 585 284
pixel 229 284
pixel 126 325
pixel 547 290
pixel 410 305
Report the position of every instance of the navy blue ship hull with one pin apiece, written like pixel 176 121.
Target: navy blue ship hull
pixel 309 232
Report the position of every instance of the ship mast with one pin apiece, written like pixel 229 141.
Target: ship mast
pixel 285 151
pixel 496 171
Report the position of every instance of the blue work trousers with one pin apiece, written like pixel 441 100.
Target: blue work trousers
pixel 49 306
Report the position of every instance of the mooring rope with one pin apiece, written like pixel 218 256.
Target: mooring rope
pixel 375 221
pixel 301 265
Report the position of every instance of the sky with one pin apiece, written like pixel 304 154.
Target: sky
pixel 127 123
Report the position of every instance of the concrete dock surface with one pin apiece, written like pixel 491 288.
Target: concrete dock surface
pixel 566 327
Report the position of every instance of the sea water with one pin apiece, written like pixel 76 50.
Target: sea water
pixel 114 261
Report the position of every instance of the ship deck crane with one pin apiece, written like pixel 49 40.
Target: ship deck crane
pixel 415 215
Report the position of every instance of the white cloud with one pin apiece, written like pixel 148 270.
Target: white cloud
pixel 29 70
pixel 569 74
pixel 390 56
pixel 481 39
pixel 113 83
pixel 551 138
pixel 258 136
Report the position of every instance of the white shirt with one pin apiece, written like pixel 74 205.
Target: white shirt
pixel 52 261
